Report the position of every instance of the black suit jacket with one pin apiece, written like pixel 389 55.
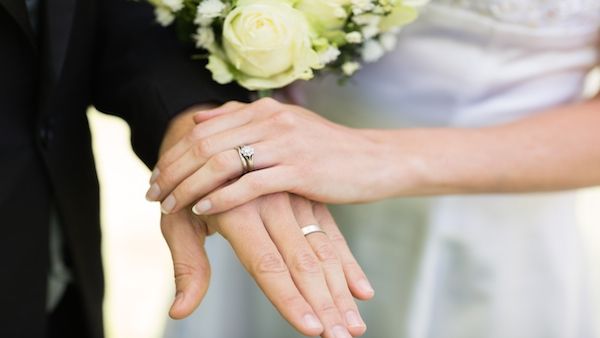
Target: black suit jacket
pixel 107 53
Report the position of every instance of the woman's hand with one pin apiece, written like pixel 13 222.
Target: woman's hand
pixel 295 151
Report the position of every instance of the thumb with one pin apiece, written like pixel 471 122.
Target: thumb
pixel 185 235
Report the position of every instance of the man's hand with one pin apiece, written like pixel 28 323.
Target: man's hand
pixel 310 280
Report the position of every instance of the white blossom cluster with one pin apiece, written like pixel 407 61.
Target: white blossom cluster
pixel 374 33
pixel 165 10
pixel 344 34
pixel 206 13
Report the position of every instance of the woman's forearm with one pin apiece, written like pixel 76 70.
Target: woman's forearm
pixel 556 150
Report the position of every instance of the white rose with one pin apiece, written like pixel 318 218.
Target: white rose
pixel 268 42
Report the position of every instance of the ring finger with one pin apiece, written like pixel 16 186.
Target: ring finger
pixel 305 267
pixel 331 263
pixel 219 169
pixel 199 153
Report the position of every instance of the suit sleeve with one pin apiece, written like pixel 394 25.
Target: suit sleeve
pixel 145 75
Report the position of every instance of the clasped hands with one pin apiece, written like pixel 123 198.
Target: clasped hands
pixel 311 280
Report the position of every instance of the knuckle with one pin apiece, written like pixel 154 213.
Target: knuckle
pixel 306 262
pixel 272 202
pixel 326 253
pixel 268 102
pixel 232 104
pixel 222 162
pixel 343 299
pixel 202 148
pixel 279 199
pixel 254 183
pixel 284 119
pixel 327 307
pixel 166 178
pixel 292 301
pixel 225 198
pixel 183 270
pixel 183 192
pixel 197 133
pixel 338 238
pixel 270 263
pixel 353 266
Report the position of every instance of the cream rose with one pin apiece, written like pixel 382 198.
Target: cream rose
pixel 268 44
pixel 325 15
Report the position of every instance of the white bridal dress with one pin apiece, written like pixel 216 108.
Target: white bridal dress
pixel 488 266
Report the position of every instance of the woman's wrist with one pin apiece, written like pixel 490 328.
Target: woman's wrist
pixel 396 166
pixel 430 161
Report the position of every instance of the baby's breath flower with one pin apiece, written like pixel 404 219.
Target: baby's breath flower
pixel 372 51
pixel 369 32
pixel 354 37
pixel 349 68
pixel 362 6
pixel 208 10
pixel 367 19
pixel 340 13
pixel 329 55
pixel 173 5
pixel 204 37
pixel 163 16
pixel 388 41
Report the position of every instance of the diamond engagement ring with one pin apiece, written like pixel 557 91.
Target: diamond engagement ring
pixel 247 156
pixel 312 228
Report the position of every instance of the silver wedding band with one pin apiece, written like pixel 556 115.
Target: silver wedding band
pixel 310 229
pixel 247 157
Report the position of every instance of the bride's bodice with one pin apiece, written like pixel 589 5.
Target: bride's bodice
pixel 471 62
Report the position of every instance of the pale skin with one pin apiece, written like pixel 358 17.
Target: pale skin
pixel 311 280
pixel 302 153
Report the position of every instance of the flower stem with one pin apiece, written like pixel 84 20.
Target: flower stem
pixel 265 93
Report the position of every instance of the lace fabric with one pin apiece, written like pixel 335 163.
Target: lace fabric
pixel 534 13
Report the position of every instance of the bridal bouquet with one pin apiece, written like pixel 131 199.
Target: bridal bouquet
pixel 268 44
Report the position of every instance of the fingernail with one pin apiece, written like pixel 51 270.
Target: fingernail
pixel 202 207
pixel 168 204
pixel 154 176
pixel 353 319
pixel 365 286
pixel 153 193
pixel 312 322
pixel 340 332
